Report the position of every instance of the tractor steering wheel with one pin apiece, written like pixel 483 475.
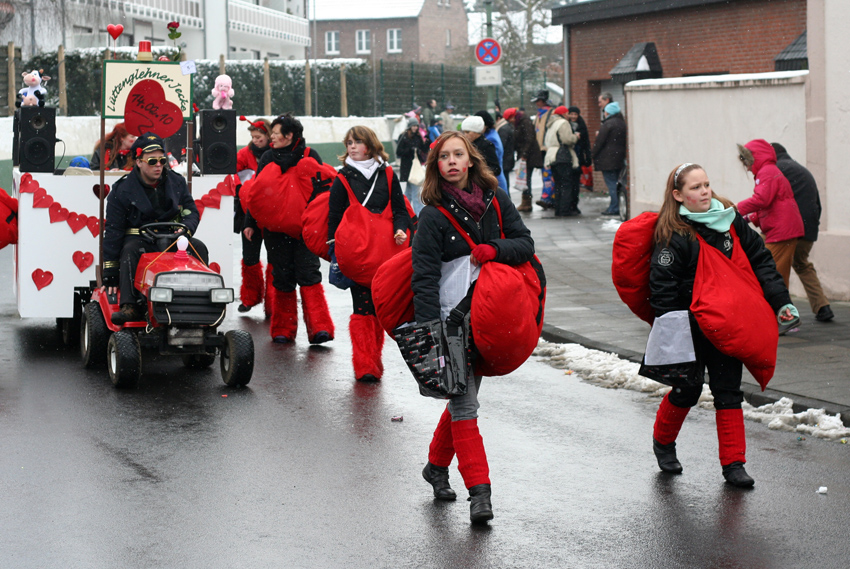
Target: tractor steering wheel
pixel 149 231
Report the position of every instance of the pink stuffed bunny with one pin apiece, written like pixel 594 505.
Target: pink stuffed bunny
pixel 222 92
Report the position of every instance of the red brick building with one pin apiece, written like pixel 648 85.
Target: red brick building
pixel 697 37
pixel 425 31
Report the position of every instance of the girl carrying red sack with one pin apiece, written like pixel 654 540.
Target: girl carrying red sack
pixel 692 217
pixel 458 180
pixel 292 263
pixel 365 171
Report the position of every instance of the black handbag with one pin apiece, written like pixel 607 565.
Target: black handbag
pixel 438 354
pixel 686 374
pixel 563 156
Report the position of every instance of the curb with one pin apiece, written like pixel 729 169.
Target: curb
pixel 752 393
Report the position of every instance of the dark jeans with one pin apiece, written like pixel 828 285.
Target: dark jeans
pixel 133 249
pixel 528 177
pixel 251 249
pixel 724 377
pixel 611 177
pixel 292 262
pixel 566 188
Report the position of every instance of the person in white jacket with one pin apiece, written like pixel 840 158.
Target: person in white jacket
pixel 560 141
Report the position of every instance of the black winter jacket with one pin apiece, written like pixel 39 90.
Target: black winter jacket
pixel 284 158
pixel 437 241
pixel 805 190
pixel 525 141
pixel 132 204
pixel 609 148
pixel 377 202
pixel 582 147
pixel 506 133
pixel 488 150
pixel 674 266
pixel 407 146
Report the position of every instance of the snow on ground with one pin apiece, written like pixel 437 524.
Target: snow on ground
pixel 611 225
pixel 607 370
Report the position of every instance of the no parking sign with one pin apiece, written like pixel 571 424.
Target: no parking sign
pixel 488 51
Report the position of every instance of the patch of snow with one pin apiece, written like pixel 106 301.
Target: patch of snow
pixel 608 370
pixel 611 225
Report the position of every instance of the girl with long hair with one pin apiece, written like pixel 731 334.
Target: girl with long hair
pixel 365 170
pixel 693 216
pixel 458 180
pixel 117 149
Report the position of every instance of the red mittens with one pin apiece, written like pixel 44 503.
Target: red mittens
pixel 483 253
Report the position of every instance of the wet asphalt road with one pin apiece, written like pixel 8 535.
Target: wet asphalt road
pixel 304 468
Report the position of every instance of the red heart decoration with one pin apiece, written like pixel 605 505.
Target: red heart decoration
pixel 41 278
pixel 96 190
pixel 58 213
pixel 225 187
pixel 41 199
pixel 82 260
pixel 93 225
pixel 115 30
pixel 216 267
pixel 28 185
pixel 77 221
pixel 147 110
pixel 212 199
pixel 201 207
pixel 25 177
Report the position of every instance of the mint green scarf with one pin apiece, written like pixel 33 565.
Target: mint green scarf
pixel 717 217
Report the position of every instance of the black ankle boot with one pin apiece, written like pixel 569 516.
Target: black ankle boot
pixel 438 477
pixel 736 475
pixel 480 508
pixel 666 456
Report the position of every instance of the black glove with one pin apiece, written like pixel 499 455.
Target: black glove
pixel 320 185
pixel 110 276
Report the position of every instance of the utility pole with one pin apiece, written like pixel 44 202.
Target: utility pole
pixel 488 5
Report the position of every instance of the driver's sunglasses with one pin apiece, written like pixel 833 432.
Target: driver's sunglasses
pixel 162 161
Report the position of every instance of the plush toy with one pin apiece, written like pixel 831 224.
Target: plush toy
pixel 8 219
pixel 34 93
pixel 222 92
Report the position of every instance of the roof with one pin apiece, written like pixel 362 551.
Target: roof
pixel 348 10
pixel 579 12
pixel 641 62
pixel 795 56
pixel 477 27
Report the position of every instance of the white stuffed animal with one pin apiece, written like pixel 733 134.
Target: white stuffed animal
pixel 34 93
pixel 223 92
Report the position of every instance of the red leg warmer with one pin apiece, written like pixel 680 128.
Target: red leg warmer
pixel 471 458
pixel 317 317
pixel 363 346
pixel 668 421
pixel 268 301
pixel 251 291
pixel 442 450
pixel 730 435
pixel 285 315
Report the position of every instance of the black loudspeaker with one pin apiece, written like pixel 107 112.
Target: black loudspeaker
pixel 37 139
pixel 16 138
pixel 218 141
pixel 176 143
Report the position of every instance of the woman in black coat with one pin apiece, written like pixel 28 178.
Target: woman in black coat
pixel 457 179
pixel 411 144
pixel 365 170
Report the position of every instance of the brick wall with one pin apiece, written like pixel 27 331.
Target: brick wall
pixel 738 37
pixel 436 17
pixel 348 37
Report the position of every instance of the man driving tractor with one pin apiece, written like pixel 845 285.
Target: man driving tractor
pixel 150 193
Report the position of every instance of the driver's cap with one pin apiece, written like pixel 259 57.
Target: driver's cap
pixel 148 142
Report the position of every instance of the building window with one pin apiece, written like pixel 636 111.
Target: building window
pixel 448 38
pixel 332 43
pixel 394 40
pixel 364 41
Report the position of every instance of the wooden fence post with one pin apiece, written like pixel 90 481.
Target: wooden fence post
pixel 221 64
pixel 343 93
pixel 11 72
pixel 267 88
pixel 63 93
pixel 308 97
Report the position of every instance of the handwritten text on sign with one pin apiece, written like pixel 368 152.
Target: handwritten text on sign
pixel 119 78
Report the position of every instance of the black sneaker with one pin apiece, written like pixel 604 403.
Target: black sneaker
pixel 824 314
pixel 736 475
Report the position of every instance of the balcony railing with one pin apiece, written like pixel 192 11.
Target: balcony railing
pixel 188 12
pixel 261 21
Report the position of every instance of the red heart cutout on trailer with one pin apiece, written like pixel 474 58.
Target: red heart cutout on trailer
pixel 147 110
pixel 41 278
pixel 82 260
pixel 212 199
pixel 28 185
pixel 226 187
pixel 77 221
pixel 115 30
pixel 58 213
pixel 93 226
pixel 41 199
pixel 216 267
pixel 96 190
pixel 201 207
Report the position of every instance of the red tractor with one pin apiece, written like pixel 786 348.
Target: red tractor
pixel 186 302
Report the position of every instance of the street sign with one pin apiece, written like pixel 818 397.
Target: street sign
pixel 488 51
pixel 488 75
